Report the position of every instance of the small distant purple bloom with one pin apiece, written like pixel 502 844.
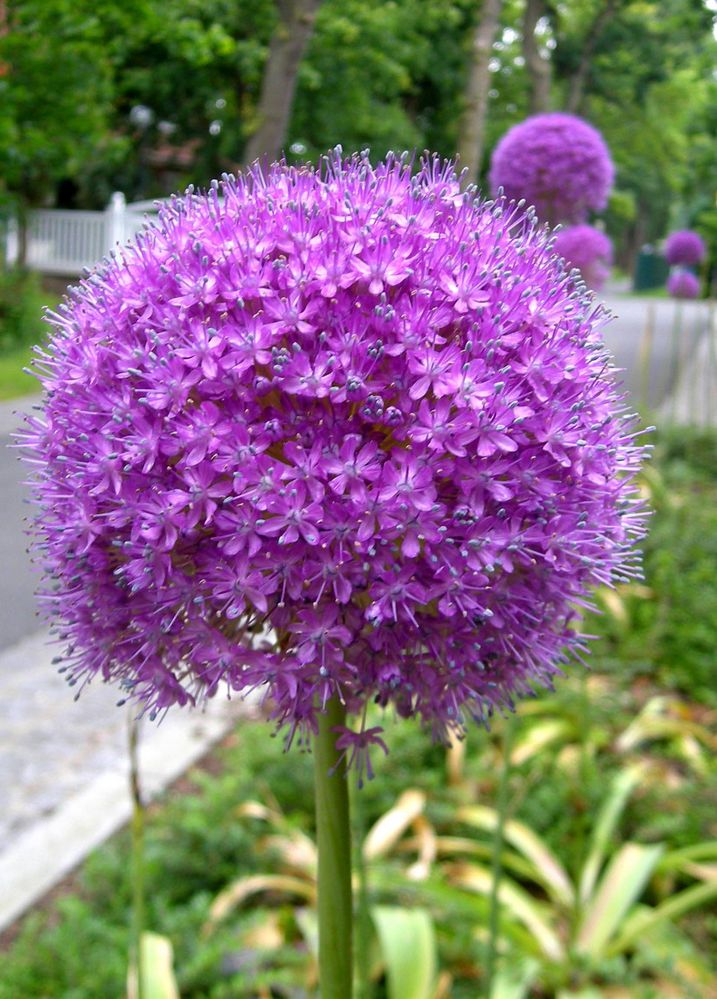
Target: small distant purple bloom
pixel 336 432
pixel 558 163
pixel 684 247
pixel 683 284
pixel 589 250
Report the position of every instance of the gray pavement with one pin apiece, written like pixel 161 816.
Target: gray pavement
pixel 18 616
pixel 64 768
pixel 651 340
pixel 63 765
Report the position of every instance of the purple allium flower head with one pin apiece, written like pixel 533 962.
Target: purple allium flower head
pixel 343 430
pixel 556 162
pixel 684 247
pixel 588 249
pixel 683 284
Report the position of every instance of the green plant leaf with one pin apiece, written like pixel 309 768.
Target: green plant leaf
pixel 408 946
pixel 515 980
pixel 308 923
pixel 237 892
pixel 158 981
pixel 621 886
pixel 388 829
pixel 539 737
pixel 518 903
pixel 645 921
pixel 605 825
pixel 580 994
pixel 547 869
pixel 680 860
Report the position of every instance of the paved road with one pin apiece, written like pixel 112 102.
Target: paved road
pixel 626 335
pixel 661 330
pixel 17 580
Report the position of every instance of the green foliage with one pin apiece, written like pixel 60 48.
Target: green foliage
pixel 21 302
pixel 55 92
pixel 673 632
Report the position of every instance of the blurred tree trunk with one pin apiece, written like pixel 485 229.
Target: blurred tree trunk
pixel 471 129
pixel 287 46
pixel 579 79
pixel 537 65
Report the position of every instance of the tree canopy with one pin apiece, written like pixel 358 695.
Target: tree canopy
pixel 374 73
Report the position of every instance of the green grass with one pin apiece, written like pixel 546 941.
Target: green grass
pixel 14 382
pixel 22 301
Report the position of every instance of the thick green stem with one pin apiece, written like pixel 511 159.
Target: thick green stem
pixel 334 876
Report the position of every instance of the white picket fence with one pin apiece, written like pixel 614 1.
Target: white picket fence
pixel 65 242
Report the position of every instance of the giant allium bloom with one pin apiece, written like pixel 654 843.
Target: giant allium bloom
pixel 683 284
pixel 329 431
pixel 589 250
pixel 684 247
pixel 556 162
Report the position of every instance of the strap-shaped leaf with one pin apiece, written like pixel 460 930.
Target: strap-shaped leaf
pixel 679 860
pixel 621 886
pixel 547 869
pixel 408 946
pixel 518 903
pixel 158 981
pixel 539 737
pixel 645 921
pixel 606 823
pixel 237 892
pixel 387 830
pixel 515 980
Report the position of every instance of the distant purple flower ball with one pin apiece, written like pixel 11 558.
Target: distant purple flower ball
pixel 683 284
pixel 556 162
pixel 684 247
pixel 588 249
pixel 330 431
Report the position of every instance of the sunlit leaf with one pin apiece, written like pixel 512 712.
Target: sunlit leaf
pixel 547 869
pixel 517 902
pixel 296 850
pixel 158 981
pixel 308 923
pixel 539 737
pixel 238 892
pixel 605 826
pixel 426 841
pixel 620 887
pixel 515 979
pixel 408 946
pixel 645 921
pixel 678 860
pixel 387 830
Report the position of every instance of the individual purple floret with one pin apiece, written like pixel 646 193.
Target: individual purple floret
pixel 556 162
pixel 683 284
pixel 337 431
pixel 684 247
pixel 588 249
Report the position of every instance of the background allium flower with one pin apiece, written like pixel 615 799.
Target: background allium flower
pixel 351 405
pixel 588 249
pixel 556 162
pixel 683 284
pixel 684 247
